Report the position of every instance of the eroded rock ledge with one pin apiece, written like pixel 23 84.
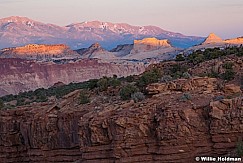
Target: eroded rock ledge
pixel 162 128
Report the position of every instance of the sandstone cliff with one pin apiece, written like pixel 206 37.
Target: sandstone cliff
pixel 149 44
pixel 152 48
pixel 212 38
pixel 96 51
pixel 39 52
pixel 19 75
pixel 235 41
pixel 163 128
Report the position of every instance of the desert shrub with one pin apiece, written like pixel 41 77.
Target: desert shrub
pixel 177 70
pixel 114 82
pixel 138 96
pixel 83 97
pixel 1 104
pixel 213 74
pixel 130 79
pixel 228 65
pixel 186 97
pixel 219 98
pixel 103 84
pixel 180 57
pixel 229 74
pixel 92 83
pixel 149 77
pixel 239 148
pixel 127 91
pixel 186 75
pixel 166 79
pixel 241 82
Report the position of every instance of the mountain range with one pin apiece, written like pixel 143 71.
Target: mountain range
pixel 19 31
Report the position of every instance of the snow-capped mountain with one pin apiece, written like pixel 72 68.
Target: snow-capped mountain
pixel 19 31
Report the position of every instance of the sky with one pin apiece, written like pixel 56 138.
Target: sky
pixel 189 17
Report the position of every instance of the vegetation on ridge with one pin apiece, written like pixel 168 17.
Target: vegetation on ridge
pixel 133 87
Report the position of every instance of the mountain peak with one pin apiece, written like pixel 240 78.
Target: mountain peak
pixel 16 19
pixel 212 38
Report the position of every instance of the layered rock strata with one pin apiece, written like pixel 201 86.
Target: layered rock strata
pixel 19 75
pixel 163 128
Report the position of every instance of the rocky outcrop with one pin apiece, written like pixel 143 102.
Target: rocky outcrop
pixel 122 50
pixel 96 51
pixel 232 89
pixel 207 85
pixel 159 129
pixel 149 44
pixel 212 39
pixel 39 52
pixel 19 75
pixel 237 41
pixel 152 48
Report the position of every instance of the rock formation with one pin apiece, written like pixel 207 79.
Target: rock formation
pixel 39 52
pixel 149 44
pixel 122 50
pixel 96 51
pixel 237 41
pixel 151 48
pixel 212 39
pixel 163 128
pixel 19 75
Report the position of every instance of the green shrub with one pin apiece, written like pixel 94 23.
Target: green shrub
pixel 138 96
pixel 239 148
pixel 228 75
pixel 1 104
pixel 186 75
pixel 219 98
pixel 103 84
pixel 213 74
pixel 228 65
pixel 83 97
pixel 166 79
pixel 127 91
pixel 186 97
pixel 114 82
pixel 180 57
pixel 177 70
pixel 149 77
pixel 92 83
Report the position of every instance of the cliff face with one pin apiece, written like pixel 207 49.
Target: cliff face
pixel 21 75
pixel 235 41
pixel 96 51
pixel 212 39
pixel 159 129
pixel 36 51
pixel 149 44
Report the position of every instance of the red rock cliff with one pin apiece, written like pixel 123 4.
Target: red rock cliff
pixel 21 75
pixel 159 129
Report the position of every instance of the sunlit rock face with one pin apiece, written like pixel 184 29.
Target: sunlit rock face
pixel 212 38
pixel 149 44
pixel 36 51
pixel 235 41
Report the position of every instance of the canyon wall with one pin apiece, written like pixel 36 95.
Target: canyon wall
pixel 39 52
pixel 19 75
pixel 158 129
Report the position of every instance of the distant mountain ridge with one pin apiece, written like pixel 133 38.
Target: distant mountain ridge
pixel 19 31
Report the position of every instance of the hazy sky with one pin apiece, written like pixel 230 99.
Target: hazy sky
pixel 190 17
